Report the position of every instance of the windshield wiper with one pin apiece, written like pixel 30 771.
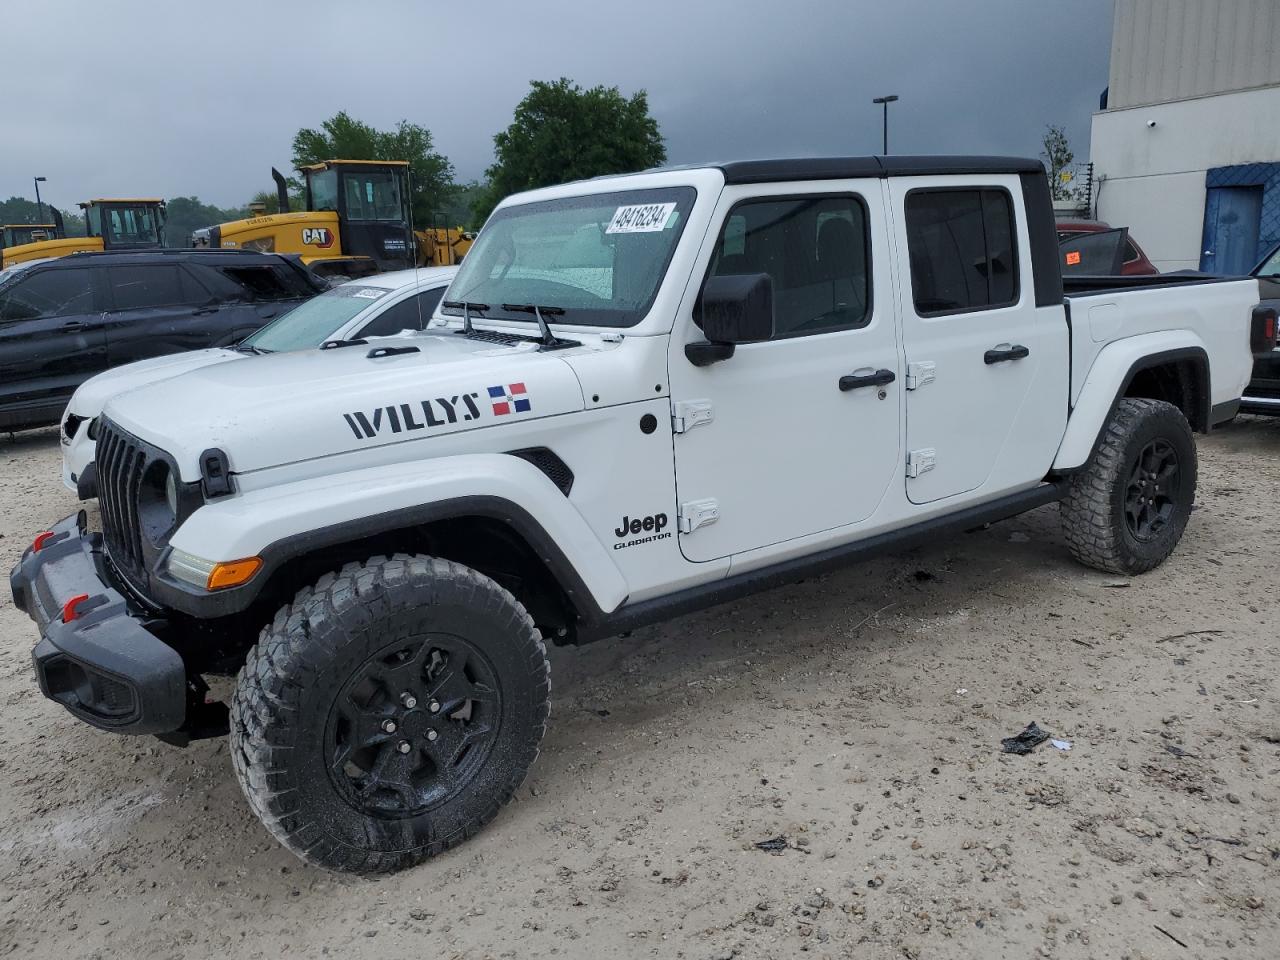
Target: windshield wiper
pixel 548 338
pixel 466 306
pixel 248 348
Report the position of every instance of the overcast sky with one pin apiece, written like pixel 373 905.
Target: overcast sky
pixel 131 98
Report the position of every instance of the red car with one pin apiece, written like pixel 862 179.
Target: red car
pixel 1134 262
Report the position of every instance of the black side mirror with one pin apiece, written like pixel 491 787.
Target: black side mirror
pixel 735 309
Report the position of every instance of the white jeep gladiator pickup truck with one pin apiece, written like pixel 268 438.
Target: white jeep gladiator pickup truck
pixel 641 395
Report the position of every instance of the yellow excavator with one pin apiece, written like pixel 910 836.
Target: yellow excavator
pixel 110 224
pixel 356 223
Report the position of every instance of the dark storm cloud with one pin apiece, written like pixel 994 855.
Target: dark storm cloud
pixel 131 98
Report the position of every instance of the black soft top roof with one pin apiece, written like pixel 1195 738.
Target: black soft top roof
pixel 847 168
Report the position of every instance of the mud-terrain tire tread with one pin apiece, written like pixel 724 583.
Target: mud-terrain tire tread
pixel 1090 524
pixel 295 646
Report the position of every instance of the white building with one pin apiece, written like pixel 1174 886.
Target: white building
pixel 1186 149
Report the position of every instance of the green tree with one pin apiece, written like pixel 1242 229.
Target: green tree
pixel 185 214
pixel 562 132
pixel 342 137
pixel 22 210
pixel 1058 157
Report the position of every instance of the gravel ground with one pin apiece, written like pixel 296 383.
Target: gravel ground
pixel 857 715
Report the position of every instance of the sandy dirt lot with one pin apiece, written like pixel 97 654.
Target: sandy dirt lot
pixel 858 715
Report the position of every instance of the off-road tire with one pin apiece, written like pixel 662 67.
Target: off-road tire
pixel 1093 512
pixel 289 687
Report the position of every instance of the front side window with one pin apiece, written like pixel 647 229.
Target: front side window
pixel 259 283
pixel 374 195
pixel 412 313
pixel 814 249
pixel 600 259
pixel 49 293
pixel 312 323
pixel 963 250
pixel 324 189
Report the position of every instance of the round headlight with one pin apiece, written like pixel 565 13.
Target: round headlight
pixel 171 491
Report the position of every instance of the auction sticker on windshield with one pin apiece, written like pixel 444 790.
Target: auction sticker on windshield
pixel 641 218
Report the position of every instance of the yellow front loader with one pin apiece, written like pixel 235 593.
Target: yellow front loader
pixel 111 224
pixel 357 222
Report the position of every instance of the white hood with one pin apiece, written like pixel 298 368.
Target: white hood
pixel 92 395
pixel 286 407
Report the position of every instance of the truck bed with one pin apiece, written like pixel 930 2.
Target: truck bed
pixel 1212 311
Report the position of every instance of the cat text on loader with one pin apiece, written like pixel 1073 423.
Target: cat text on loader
pixel 356 221
pixel 110 224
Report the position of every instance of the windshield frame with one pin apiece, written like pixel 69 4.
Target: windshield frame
pixel 684 195
pixel 1272 254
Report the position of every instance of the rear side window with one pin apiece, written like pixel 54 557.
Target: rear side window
pixel 49 293
pixel 266 282
pixel 413 313
pixel 139 286
pixel 814 249
pixel 963 250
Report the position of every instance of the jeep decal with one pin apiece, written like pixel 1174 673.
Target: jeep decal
pixel 652 525
pixel 404 417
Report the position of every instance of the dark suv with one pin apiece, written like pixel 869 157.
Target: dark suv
pixel 63 320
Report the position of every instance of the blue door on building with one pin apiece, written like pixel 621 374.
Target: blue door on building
pixel 1232 224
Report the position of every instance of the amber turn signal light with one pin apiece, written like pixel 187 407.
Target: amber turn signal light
pixel 233 573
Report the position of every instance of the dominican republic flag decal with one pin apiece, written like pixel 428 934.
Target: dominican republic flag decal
pixel 508 398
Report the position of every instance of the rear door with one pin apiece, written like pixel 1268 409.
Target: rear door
pixel 986 369
pixel 51 340
pixel 157 309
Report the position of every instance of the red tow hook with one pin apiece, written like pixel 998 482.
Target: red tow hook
pixel 71 607
pixel 40 540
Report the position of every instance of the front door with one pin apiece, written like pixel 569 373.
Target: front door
pixel 1232 224
pixel 986 367
pixel 801 438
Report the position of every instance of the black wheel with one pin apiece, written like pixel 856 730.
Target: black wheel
pixel 1127 509
pixel 389 712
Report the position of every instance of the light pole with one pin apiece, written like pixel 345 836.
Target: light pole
pixel 884 102
pixel 39 206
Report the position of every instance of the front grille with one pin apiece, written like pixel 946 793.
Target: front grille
pixel 121 462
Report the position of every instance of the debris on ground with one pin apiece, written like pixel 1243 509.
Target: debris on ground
pixel 776 845
pixel 1061 744
pixel 1026 741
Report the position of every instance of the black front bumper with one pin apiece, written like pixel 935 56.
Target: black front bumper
pixel 105 666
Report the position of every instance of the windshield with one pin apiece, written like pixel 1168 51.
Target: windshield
pixel 1271 266
pixel 312 323
pixel 131 225
pixel 372 195
pixel 600 258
